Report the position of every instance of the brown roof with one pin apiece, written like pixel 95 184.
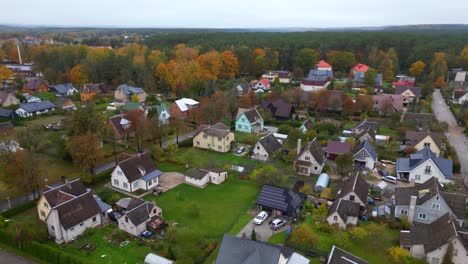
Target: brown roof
pixel 58 193
pixel 76 210
pixel 335 147
pixel 34 84
pixel 459 92
pixel 395 100
pixel 435 234
pixel 308 124
pixel 217 130
pixel 345 209
pixel 316 150
pixel 357 184
pixel 121 131
pixel 196 173
pixel 252 115
pixel 137 166
pixel 279 108
pixel 4 95
pixel 416 136
pixel 405 238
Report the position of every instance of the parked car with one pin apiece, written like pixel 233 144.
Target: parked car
pixel 240 150
pixel 277 223
pixel 390 179
pixel 260 218
pixel 146 234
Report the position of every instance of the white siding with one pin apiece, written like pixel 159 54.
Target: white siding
pixel 331 220
pixel 419 175
pixel 196 182
pixel 118 175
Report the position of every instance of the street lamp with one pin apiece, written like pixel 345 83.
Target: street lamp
pixel 105 255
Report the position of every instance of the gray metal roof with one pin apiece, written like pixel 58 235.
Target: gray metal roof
pixel 368 147
pixel 127 89
pixel 152 175
pixel 63 88
pixel 39 106
pixel 408 164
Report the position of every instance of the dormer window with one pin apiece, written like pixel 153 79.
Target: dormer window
pixel 427 144
pixel 427 170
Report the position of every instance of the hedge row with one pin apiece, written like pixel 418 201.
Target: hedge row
pixel 19 209
pixel 40 251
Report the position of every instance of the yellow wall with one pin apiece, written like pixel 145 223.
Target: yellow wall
pixel 212 143
pixel 428 139
pixel 41 206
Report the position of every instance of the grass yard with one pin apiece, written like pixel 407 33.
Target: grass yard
pixel 246 138
pixel 364 248
pixel 349 124
pixel 220 206
pixel 167 166
pixel 203 158
pixel 386 131
pixel 45 120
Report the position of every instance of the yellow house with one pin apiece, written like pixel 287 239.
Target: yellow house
pixel 421 139
pixel 217 137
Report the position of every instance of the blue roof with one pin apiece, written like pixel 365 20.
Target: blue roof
pixel 63 87
pixel 152 175
pixel 37 106
pixel 408 164
pixel 7 113
pixel 359 77
pixel 320 73
pixel 368 147
pixel 104 207
pixel 127 89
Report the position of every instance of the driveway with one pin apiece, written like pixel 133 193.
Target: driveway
pixel 264 232
pixel 455 134
pixel 7 257
pixel 181 138
pixel 170 180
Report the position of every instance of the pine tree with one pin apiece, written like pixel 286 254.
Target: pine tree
pixel 253 236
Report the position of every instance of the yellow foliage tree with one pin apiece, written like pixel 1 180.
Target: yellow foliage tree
pixel 398 255
pixel 417 68
pixel 78 76
pixel 230 65
pixel 5 74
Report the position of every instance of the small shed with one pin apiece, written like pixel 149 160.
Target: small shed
pixel 322 182
pixel 155 259
pixel 382 186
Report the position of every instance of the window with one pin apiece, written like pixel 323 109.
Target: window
pixel 307 158
pixel 427 144
pixel 126 219
pixel 243 119
pixel 135 185
pixel 219 139
pixel 81 224
pixel 52 228
pixel 315 168
pixel 404 212
pixel 116 182
pixel 351 197
pixel 418 177
pixel 422 216
pixel 42 213
pixel 94 219
pixel 436 206
pixel 219 147
pixel 198 143
pixel 435 261
pixel 46 205
pixel 119 172
pixel 125 185
pixel 205 136
pixel 72 228
pixel 437 197
pixel 428 169
pixel 239 126
pixel 154 211
pixel 258 147
pixel 455 252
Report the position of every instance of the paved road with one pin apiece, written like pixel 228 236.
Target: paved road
pixel 455 134
pixel 8 258
pixel 181 138
pixel 16 201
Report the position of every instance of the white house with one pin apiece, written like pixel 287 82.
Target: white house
pixel 283 76
pixel 136 215
pixel 162 111
pixel 355 189
pixel 460 95
pixel 365 155
pixel 69 209
pixel 201 177
pixel 309 160
pixel 423 165
pixel 64 89
pixel 265 147
pixel 135 173
pixel 263 84
pixel 343 213
pixel 32 109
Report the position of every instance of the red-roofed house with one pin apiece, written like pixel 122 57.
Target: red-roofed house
pixel 323 66
pixel 403 83
pixel 263 84
pixel 360 68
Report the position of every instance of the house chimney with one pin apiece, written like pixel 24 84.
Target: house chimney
pixel 412 208
pixel 298 147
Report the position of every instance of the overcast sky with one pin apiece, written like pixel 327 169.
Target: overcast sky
pixel 233 13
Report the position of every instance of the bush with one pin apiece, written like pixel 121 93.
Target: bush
pixel 186 143
pixel 304 236
pixel 19 209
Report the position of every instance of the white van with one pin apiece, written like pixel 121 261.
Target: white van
pixel 390 179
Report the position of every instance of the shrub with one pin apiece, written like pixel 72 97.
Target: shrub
pixel 19 209
pixel 304 236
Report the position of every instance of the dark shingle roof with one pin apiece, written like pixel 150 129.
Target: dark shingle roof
pixel 138 166
pixel 270 143
pixel 77 210
pixel 63 88
pixel 37 106
pixel 278 198
pixel 252 115
pixel 279 108
pixel 34 84
pixel 425 191
pixel 345 209
pixel 368 148
pixel 7 113
pixel 356 184
pixel 416 136
pixel 61 191
pixel 367 125
pixel 138 211
pixel 129 90
pixel 217 130
pixel 308 124
pixel 340 256
pixel 415 90
pixel 335 147
pixel 418 119
pixel 435 234
pixel 196 173
pixel 316 150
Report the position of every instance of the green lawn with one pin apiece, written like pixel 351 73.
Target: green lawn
pixel 384 130
pixel 45 120
pixel 167 166
pixel 220 206
pixel 203 158
pixel 363 248
pixel 349 124
pixel 246 138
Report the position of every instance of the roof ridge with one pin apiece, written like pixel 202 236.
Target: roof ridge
pixel 144 202
pixel 54 188
pixel 72 199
